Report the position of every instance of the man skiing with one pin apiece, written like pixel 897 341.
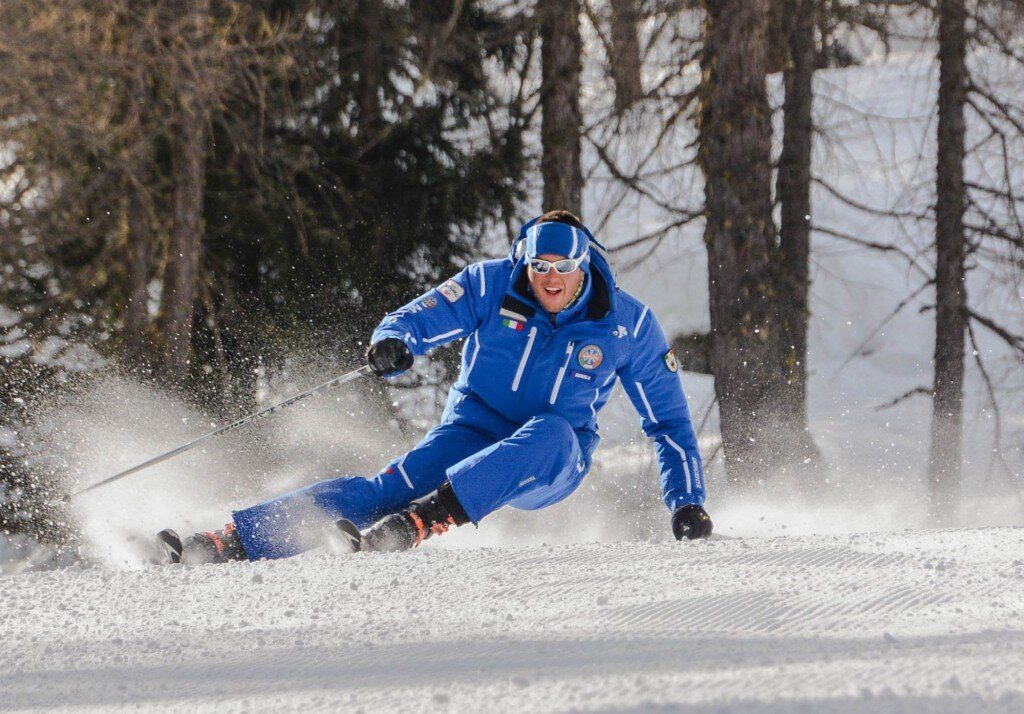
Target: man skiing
pixel 547 334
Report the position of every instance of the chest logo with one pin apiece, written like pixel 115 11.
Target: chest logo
pixel 590 357
pixel 512 324
pixel 620 332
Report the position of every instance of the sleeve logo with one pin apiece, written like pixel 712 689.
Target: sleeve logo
pixel 452 291
pixel 430 301
pixel 670 361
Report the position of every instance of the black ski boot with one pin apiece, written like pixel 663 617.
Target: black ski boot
pixel 431 515
pixel 206 547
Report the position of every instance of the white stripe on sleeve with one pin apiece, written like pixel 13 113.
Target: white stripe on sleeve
pixel 647 404
pixel 476 351
pixel 401 470
pixel 636 330
pixel 435 338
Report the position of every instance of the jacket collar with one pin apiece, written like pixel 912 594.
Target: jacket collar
pixel 594 304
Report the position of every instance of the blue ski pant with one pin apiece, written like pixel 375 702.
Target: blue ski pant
pixel 489 464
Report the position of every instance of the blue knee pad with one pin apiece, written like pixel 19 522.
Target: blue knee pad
pixel 538 465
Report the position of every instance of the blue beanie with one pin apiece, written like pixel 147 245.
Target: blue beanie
pixel 557 239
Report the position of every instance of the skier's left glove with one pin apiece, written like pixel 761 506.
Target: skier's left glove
pixel 691 522
pixel 389 357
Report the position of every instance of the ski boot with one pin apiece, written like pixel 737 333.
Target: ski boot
pixel 431 515
pixel 206 547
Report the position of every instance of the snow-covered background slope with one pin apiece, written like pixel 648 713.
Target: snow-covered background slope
pixel 897 622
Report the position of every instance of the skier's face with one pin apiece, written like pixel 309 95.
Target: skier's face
pixel 553 289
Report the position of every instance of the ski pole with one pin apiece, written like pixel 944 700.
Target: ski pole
pixel 348 377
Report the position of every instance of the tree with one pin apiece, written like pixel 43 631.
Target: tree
pixel 561 50
pixel 251 168
pixel 205 185
pixel 950 249
pixel 747 343
pixel 792 257
pixel 115 155
pixel 188 148
pixel 624 56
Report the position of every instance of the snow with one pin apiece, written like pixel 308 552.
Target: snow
pixel 912 621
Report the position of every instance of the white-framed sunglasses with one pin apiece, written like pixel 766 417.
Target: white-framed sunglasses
pixel 563 267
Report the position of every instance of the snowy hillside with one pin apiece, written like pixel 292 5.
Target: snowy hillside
pixel 916 622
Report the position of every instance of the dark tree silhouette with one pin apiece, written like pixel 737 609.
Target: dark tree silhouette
pixel 561 123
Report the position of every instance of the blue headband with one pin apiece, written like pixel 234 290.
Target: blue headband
pixel 556 239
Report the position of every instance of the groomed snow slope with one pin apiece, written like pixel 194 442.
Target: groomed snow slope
pixel 925 621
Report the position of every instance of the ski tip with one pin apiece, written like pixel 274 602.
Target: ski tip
pixel 346 537
pixel 169 546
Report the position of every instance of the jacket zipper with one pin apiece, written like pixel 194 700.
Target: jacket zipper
pixel 525 357
pixel 561 373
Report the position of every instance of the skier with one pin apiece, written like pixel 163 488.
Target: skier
pixel 547 335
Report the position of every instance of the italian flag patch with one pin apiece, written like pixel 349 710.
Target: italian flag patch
pixel 512 324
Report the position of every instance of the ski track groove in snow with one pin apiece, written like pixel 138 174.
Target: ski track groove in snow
pixel 926 621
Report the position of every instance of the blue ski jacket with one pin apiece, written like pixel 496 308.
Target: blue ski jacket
pixel 521 361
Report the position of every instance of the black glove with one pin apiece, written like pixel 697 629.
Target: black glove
pixel 389 357
pixel 691 522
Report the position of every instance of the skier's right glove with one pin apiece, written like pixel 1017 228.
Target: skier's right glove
pixel 389 357
pixel 691 522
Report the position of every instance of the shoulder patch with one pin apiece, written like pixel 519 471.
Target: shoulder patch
pixel 452 291
pixel 670 361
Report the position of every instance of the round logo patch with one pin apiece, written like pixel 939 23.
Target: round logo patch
pixel 590 357
pixel 430 301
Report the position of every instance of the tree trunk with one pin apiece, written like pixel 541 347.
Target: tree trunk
pixel 560 102
pixel 371 74
pixel 950 290
pixel 139 231
pixel 625 60
pixel 138 237
pixel 188 170
pixel 372 77
pixel 792 259
pixel 734 155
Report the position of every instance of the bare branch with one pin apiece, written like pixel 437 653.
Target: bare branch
pixel 927 391
pixel 1014 341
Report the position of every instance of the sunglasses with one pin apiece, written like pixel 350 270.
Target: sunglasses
pixel 563 267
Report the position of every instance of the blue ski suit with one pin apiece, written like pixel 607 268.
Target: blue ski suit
pixel 520 424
